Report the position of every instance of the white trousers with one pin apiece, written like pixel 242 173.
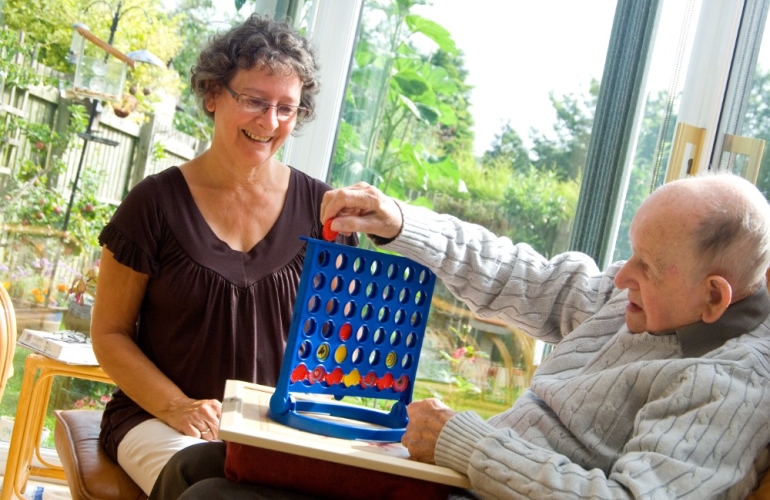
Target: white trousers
pixel 146 449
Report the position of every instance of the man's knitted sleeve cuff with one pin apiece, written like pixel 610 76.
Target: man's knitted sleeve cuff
pixel 458 438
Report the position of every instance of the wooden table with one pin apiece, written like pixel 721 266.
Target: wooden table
pixel 39 372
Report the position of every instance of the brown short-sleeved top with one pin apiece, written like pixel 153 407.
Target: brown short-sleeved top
pixel 210 313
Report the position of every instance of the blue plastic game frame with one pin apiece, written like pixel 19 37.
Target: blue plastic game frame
pixel 357 329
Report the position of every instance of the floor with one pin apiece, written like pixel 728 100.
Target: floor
pixel 43 490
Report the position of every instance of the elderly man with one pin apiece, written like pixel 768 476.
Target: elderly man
pixel 659 385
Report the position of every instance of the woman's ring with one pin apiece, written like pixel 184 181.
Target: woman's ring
pixel 205 431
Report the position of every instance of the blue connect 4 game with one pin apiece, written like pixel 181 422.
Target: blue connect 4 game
pixel 357 330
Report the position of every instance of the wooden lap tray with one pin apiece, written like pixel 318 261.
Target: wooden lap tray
pixel 287 458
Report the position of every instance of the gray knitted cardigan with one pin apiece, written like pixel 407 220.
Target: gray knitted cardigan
pixel 609 414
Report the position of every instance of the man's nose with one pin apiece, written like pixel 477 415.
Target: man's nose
pixel 622 279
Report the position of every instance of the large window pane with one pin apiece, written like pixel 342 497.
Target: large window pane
pixel 655 133
pixel 485 114
pixel 756 120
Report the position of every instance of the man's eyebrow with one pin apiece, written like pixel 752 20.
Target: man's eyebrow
pixel 656 265
pixel 653 264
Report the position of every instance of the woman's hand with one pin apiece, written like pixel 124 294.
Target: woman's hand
pixel 426 421
pixel 120 292
pixel 198 418
pixel 362 208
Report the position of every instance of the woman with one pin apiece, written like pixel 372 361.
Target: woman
pixel 201 263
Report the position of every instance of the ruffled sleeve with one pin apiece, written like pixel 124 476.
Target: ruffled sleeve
pixel 135 231
pixel 126 252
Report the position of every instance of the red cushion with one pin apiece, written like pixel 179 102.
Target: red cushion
pixel 314 477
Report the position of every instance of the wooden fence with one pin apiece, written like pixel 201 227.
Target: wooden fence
pixel 143 148
pixel 123 165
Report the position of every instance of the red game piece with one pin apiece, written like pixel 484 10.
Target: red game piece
pixel 369 380
pixel 299 373
pixel 345 332
pixel 385 382
pixel 328 233
pixel 335 376
pixel 401 383
pixel 318 374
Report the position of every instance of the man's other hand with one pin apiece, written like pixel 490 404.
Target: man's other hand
pixel 426 420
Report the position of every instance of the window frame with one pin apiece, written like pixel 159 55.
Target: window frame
pixel 333 30
pixel 709 72
pixel 722 65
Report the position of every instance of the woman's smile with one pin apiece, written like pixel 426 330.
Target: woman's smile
pixel 256 137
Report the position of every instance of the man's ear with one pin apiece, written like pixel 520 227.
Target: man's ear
pixel 720 295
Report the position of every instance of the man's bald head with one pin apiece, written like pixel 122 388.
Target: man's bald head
pixel 727 220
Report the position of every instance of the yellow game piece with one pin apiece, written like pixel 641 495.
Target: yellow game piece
pixel 391 359
pixel 323 352
pixel 340 354
pixel 352 378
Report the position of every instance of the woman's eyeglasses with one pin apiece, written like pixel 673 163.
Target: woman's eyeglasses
pixel 283 112
pixel 72 337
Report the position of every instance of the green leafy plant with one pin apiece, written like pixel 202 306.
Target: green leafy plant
pixel 539 205
pixel 33 207
pixel 31 197
pixel 144 24
pixel 460 361
pixel 14 63
pixel 398 94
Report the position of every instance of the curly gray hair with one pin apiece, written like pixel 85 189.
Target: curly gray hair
pixel 257 41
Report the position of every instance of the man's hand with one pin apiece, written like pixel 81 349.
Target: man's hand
pixel 361 208
pixel 426 420
pixel 198 418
